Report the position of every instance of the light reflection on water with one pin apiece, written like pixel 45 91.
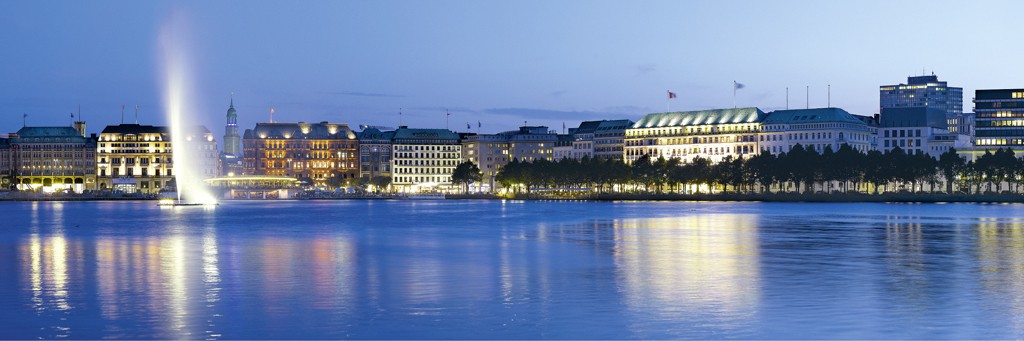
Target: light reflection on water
pixel 523 270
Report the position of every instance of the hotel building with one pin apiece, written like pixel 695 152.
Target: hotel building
pixel 52 159
pixel 310 151
pixel 134 158
pixel 710 134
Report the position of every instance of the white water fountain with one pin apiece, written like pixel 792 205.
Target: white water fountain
pixel 177 100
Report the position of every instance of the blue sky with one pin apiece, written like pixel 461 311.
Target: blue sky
pixel 498 63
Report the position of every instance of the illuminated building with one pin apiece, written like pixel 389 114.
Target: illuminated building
pixel 53 159
pixel 424 159
pixel 6 164
pixel 255 187
pixel 375 152
pixel 928 92
pixel 999 118
pixel 139 158
pixel 709 134
pixel 312 152
pixel 815 129
pixel 231 158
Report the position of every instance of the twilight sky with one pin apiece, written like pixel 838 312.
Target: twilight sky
pixel 495 62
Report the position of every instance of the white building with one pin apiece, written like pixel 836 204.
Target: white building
pixel 710 134
pixel 423 160
pixel 815 129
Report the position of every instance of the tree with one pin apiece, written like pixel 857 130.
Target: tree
pixel 466 173
pixel 380 182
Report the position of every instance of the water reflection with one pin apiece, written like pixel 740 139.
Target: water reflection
pixel 683 267
pixel 1001 261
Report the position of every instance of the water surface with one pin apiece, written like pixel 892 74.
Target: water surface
pixel 511 270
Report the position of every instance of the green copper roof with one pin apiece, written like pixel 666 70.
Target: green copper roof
pixel 819 115
pixel 48 132
pixel 692 118
pixel 425 134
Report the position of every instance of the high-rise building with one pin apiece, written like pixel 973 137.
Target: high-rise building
pixel 999 118
pixel 925 91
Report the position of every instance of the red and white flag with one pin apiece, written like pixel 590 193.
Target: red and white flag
pixel 671 95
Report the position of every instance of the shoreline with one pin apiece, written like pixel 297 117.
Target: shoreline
pixel 735 197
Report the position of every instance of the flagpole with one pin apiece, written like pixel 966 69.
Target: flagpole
pixel 734 94
pixel 787 98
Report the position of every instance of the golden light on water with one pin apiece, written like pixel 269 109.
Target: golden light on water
pixel 689 264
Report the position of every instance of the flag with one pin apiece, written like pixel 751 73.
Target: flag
pixel 478 124
pixel 468 126
pixel 23 115
pixel 271 110
pixel 671 95
pixel 738 85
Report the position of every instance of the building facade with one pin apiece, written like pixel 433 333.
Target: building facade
pixel 312 152
pixel 928 92
pixel 609 139
pixel 375 152
pixel 815 129
pixel 133 158
pixel 490 152
pixel 709 134
pixel 424 159
pixel 999 118
pixel 52 159
pixel 918 130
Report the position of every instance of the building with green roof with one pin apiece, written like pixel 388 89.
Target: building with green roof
pixel 710 134
pixel 816 129
pixel 52 159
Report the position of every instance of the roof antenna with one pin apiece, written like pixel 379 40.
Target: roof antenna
pixel 136 114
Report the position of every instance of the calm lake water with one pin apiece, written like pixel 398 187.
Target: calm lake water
pixel 511 270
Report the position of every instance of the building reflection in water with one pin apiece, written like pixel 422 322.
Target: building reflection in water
pixel 45 261
pixel 699 266
pixel 1001 272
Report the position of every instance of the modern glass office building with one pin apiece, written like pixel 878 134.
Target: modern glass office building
pixel 928 92
pixel 999 117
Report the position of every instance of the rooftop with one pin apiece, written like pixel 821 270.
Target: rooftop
pixel 300 131
pixel 702 117
pixel 48 132
pixel 818 115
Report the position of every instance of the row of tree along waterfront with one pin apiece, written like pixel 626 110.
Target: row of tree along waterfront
pixel 798 171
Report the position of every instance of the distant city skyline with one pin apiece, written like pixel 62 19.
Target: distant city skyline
pixel 498 64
